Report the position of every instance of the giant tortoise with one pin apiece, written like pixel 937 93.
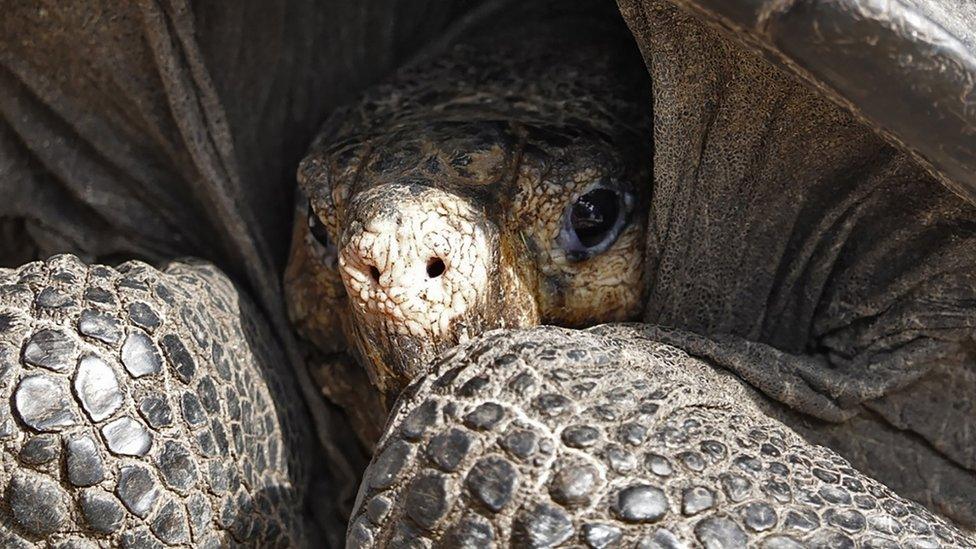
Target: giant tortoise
pixel 776 198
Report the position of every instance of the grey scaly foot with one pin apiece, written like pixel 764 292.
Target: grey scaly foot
pixel 551 437
pixel 146 408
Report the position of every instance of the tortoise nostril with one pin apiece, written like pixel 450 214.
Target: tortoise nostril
pixel 435 267
pixel 374 272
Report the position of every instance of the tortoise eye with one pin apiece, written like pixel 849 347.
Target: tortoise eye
pixel 317 228
pixel 593 221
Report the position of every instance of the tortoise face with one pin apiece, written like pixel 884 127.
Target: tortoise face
pixel 420 236
pixel 474 193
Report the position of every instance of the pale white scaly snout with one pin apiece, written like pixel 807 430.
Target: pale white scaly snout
pixel 415 261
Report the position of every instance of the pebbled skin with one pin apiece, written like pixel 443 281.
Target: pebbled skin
pixel 550 437
pixel 157 415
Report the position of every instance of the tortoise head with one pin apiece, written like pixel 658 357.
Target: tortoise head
pixel 423 224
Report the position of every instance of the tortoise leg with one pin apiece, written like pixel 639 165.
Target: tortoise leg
pixel 144 407
pixel 549 437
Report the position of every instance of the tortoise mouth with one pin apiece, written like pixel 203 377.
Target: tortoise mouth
pixel 393 360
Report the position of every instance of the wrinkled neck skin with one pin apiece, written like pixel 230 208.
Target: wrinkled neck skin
pixel 444 193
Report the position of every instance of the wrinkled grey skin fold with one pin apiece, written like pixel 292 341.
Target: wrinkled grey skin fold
pixel 903 66
pixel 159 129
pixel 793 246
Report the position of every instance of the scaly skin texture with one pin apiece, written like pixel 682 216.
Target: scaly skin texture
pixel 471 159
pixel 141 408
pixel 549 437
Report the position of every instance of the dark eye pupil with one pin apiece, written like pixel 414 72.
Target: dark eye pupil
pixel 316 227
pixel 594 214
